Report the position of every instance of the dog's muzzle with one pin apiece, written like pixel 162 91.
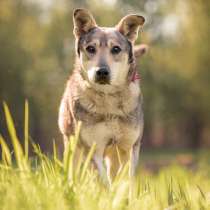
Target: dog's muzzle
pixel 102 75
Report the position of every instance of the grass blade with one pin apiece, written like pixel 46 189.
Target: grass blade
pixel 15 142
pixel 26 127
pixel 87 161
pixel 6 156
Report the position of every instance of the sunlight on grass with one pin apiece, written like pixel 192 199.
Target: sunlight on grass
pixel 50 183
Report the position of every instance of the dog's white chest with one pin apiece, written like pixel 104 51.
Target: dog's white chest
pixel 117 127
pixel 112 131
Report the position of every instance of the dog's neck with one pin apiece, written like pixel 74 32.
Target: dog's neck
pixel 120 101
pixel 133 75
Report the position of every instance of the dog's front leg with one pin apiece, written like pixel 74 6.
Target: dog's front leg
pixel 98 162
pixel 115 158
pixel 65 141
pixel 136 150
pixel 135 157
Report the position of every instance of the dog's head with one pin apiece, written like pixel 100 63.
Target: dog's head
pixel 105 54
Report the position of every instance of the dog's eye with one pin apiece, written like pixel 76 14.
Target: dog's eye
pixel 91 49
pixel 115 50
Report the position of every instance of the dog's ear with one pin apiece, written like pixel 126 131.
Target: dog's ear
pixel 140 50
pixel 83 22
pixel 129 26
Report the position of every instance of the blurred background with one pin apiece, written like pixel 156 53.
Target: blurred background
pixel 37 56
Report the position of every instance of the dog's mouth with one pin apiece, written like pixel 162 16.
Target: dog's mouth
pixel 103 82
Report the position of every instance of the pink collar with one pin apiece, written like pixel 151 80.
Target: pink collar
pixel 135 76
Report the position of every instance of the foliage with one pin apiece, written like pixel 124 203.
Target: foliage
pixel 48 183
pixel 37 55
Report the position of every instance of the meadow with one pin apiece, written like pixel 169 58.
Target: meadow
pixel 37 54
pixel 165 180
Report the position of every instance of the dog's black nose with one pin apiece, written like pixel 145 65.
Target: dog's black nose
pixel 102 72
pixel 102 75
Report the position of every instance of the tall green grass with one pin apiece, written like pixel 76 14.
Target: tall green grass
pixel 53 184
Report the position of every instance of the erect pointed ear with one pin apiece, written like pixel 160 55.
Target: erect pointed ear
pixel 83 22
pixel 140 50
pixel 129 26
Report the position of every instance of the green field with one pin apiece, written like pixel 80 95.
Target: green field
pixel 166 180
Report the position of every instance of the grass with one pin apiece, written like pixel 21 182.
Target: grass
pixel 52 184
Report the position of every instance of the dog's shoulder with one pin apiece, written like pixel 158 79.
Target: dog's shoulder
pixel 66 119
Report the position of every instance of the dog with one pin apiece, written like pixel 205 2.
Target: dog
pixel 104 93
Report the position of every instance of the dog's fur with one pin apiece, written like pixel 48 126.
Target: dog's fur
pixel 111 110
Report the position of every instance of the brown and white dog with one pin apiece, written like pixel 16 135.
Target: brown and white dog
pixel 104 93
